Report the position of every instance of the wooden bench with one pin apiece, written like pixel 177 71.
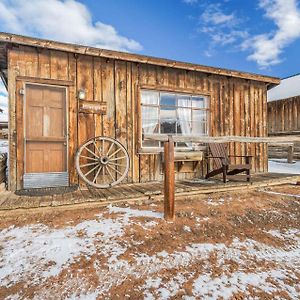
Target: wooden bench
pixel 182 157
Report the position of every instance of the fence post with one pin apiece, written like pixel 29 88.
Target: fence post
pixel 290 157
pixel 169 180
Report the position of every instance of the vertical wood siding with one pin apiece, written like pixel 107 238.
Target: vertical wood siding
pixel 237 106
pixel 284 116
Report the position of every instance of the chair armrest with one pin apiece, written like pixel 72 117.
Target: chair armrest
pixel 222 157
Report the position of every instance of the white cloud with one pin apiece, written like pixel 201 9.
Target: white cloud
pixel 223 38
pixel 268 47
pixel 222 28
pixel 63 20
pixel 215 16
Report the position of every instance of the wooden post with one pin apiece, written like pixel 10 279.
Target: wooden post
pixel 290 157
pixel 169 180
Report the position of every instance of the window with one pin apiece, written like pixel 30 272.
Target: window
pixel 170 113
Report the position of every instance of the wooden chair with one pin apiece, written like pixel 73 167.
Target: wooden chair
pixel 220 159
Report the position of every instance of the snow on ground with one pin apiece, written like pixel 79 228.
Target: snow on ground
pixel 37 253
pixel 3 146
pixel 281 166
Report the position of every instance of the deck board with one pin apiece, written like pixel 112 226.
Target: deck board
pixel 142 191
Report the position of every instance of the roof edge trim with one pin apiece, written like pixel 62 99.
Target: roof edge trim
pixel 92 51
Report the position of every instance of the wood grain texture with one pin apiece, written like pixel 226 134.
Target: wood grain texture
pixel 237 106
pixel 169 181
pixel 284 116
pixel 109 54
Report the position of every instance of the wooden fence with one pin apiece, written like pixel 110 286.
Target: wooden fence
pixel 169 175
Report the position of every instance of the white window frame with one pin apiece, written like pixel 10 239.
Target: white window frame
pixel 159 148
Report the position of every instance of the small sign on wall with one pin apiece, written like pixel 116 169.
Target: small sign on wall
pixel 92 107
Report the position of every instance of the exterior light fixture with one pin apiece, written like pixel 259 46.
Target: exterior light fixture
pixel 81 95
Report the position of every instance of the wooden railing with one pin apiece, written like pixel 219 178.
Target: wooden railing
pixel 290 150
pixel 169 174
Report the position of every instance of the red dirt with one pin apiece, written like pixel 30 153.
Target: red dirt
pixel 219 218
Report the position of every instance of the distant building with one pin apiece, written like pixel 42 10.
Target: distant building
pixel 284 107
pixel 288 88
pixel 284 112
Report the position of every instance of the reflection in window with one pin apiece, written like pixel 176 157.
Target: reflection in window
pixel 170 113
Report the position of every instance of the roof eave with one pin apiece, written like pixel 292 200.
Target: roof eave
pixel 86 50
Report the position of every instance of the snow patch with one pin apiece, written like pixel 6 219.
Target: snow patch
pixel 281 166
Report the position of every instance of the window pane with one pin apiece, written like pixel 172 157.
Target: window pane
pixel 168 113
pixel 171 113
pixel 168 127
pixel 150 124
pixel 168 120
pixel 199 115
pixel 150 119
pixel 184 128
pixel 184 100
pixel 199 102
pixel 167 99
pixel 184 114
pixel 149 97
pixel 199 128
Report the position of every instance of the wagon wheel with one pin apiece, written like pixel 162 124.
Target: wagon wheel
pixel 102 162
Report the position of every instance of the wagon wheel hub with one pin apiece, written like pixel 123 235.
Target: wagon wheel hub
pixel 102 162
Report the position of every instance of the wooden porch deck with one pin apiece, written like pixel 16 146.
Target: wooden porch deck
pixel 142 192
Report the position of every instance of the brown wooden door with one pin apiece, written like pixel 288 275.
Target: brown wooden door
pixel 45 129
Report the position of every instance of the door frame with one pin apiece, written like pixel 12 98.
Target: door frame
pixel 21 83
pixel 66 123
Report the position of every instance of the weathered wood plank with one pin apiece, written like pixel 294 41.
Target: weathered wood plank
pixel 73 119
pixel 34 42
pixel 135 126
pixel 284 115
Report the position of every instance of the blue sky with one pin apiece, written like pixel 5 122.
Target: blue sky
pixel 260 36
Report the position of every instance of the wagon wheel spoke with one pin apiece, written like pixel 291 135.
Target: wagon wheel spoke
pixel 97 174
pixel 97 148
pixel 109 173
pixel 111 146
pixel 115 169
pixel 102 162
pixel 87 157
pixel 116 164
pixel 117 158
pixel 89 164
pixel 90 171
pixel 117 151
pixel 86 148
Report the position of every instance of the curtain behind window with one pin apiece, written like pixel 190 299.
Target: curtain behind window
pixel 184 116
pixel 150 115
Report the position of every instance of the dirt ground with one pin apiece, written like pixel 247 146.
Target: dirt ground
pixel 237 245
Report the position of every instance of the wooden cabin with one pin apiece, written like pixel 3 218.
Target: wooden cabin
pixel 62 94
pixel 284 113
